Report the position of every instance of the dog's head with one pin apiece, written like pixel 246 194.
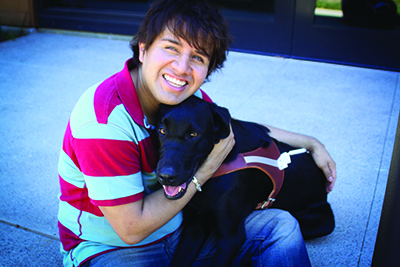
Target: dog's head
pixel 187 134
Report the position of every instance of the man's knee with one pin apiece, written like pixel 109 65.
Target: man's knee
pixel 273 224
pixel 275 237
pixel 287 226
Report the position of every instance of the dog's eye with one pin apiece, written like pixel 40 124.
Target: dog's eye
pixel 161 131
pixel 194 134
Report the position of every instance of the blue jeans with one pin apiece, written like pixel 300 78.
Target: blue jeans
pixel 273 239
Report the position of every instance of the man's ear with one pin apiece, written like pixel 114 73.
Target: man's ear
pixel 142 47
pixel 222 120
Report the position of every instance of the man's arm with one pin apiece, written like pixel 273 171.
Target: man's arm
pixel 136 221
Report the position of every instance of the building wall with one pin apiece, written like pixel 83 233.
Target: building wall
pixel 19 13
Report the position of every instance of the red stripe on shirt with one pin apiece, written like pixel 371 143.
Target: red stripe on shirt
pixel 105 100
pixel 105 157
pixel 149 149
pixel 205 96
pixel 68 239
pixel 78 198
pixel 117 202
pixel 67 145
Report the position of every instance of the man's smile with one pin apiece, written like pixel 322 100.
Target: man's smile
pixel 174 81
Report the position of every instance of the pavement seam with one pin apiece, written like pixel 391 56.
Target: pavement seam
pixel 30 230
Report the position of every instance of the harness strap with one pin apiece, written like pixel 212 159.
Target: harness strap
pixel 267 159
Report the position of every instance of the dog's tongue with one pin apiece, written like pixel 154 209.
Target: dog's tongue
pixel 174 190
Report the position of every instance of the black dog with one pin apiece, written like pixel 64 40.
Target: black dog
pixel 187 134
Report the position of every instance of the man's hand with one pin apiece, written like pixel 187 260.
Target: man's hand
pixel 325 162
pixel 215 158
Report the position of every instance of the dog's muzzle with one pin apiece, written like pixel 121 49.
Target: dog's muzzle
pixel 176 192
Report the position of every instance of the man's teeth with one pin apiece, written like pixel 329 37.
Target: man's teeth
pixel 175 82
pixel 180 190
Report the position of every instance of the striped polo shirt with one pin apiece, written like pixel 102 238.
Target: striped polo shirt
pixel 107 159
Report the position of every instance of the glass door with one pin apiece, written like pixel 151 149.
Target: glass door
pixel 356 32
pixel 260 26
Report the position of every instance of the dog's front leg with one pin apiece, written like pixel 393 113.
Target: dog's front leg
pixel 232 235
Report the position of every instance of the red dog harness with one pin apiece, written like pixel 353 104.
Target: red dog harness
pixel 267 159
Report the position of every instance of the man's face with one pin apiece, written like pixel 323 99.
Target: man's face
pixel 172 70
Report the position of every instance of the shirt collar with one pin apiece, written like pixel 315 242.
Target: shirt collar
pixel 128 95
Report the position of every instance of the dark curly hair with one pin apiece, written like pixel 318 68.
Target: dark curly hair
pixel 195 21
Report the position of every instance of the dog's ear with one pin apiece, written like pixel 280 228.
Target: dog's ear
pixel 222 120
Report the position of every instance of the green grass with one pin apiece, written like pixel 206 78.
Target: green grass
pixel 336 4
pixel 329 4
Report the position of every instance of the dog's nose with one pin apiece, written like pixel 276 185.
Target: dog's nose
pixel 166 179
pixel 167 176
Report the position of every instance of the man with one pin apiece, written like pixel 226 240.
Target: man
pixel 112 210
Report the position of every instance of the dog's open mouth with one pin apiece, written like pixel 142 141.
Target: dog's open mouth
pixel 176 192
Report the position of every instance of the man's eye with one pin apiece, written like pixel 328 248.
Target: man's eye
pixel 193 135
pixel 161 131
pixel 198 58
pixel 171 48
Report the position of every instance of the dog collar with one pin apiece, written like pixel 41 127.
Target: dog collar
pixel 267 159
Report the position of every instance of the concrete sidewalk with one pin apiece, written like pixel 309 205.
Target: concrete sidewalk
pixel 353 111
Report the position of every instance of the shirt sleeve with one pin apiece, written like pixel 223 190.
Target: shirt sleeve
pixel 111 167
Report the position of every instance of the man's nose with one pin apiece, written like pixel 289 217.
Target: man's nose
pixel 182 64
